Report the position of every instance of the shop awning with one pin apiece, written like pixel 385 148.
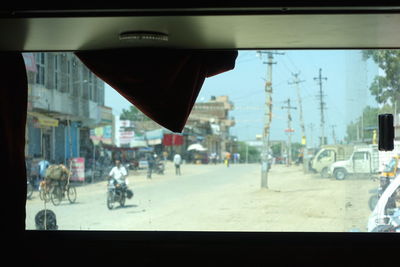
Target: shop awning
pixel 43 120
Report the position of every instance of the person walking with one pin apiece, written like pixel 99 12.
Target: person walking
pixel 177 163
pixel 227 159
pixel 151 162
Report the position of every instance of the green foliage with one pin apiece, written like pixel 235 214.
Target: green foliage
pixel 133 114
pixel 253 153
pixel 296 147
pixel 386 89
pixel 363 125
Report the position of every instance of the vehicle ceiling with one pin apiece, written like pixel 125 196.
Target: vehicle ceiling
pixel 202 28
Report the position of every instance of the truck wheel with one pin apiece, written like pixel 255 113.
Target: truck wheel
pixel 324 173
pixel 340 174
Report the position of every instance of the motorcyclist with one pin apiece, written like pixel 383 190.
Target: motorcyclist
pixel 118 175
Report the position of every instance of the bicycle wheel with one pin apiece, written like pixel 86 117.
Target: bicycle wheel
pixel 71 193
pixel 29 190
pixel 44 195
pixel 56 195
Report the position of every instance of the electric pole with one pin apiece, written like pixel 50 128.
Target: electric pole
pixel 311 126
pixel 289 130
pixel 302 126
pixel 333 134
pixel 268 116
pixel 321 105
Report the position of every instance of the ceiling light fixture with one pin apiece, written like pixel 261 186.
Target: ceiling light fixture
pixel 143 35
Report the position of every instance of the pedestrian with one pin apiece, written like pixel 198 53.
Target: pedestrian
pixel 214 158
pixel 177 163
pixel 227 158
pixel 43 165
pixel 150 165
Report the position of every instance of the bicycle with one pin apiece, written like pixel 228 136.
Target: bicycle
pixel 45 188
pixel 59 191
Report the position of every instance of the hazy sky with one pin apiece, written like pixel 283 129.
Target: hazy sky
pixel 345 91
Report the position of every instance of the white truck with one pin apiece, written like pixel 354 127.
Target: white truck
pixel 365 160
pixel 329 154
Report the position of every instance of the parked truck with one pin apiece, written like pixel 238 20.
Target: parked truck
pixel 365 160
pixel 329 154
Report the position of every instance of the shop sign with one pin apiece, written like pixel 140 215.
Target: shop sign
pixel 78 169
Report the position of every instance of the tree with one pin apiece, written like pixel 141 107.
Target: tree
pixel 362 127
pixel 386 89
pixel 252 153
pixel 133 114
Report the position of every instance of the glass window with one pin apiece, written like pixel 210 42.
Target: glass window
pixel 325 154
pixel 224 172
pixel 360 156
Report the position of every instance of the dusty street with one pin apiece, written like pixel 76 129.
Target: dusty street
pixel 217 198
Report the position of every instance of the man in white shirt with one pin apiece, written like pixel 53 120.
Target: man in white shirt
pixel 119 173
pixel 177 162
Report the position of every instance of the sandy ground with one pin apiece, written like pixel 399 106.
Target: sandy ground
pixel 293 201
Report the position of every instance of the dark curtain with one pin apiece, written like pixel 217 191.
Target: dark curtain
pixel 13 108
pixel 162 83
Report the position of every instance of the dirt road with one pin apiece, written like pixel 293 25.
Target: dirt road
pixel 217 198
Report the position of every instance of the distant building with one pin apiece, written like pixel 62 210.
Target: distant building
pixel 65 101
pixel 210 123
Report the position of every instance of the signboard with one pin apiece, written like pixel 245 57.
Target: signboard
pixel 78 169
pixel 172 140
pixel 125 137
pixel 103 134
pixel 41 120
pixel 289 130
pixel 303 140
pixel 126 123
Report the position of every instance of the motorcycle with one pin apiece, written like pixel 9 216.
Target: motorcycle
pixel 387 176
pixel 159 167
pixel 117 192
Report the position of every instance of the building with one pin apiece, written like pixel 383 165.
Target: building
pixel 65 101
pixel 209 123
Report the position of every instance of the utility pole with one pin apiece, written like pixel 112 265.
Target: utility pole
pixel 311 126
pixel 268 116
pixel 321 105
pixel 289 130
pixel 302 126
pixel 333 134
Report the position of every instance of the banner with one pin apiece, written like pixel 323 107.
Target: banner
pixel 125 137
pixel 78 169
pixel 103 134
pixel 172 140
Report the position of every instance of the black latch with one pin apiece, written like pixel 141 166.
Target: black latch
pixel 386 132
